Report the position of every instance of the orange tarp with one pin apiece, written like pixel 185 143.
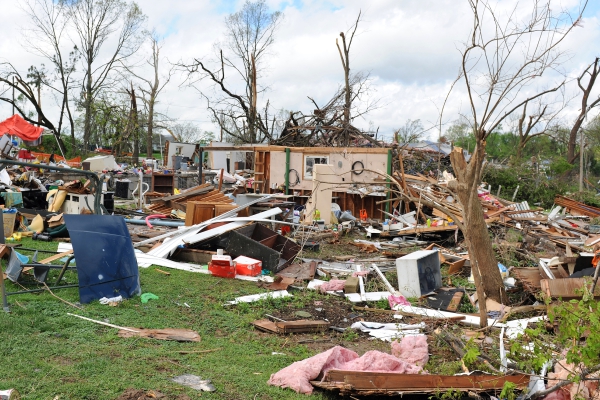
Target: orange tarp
pixel 17 126
pixel 45 158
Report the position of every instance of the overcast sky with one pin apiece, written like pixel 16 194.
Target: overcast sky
pixel 410 48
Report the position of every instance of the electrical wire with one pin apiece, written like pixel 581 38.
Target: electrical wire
pixel 354 171
pixel 297 182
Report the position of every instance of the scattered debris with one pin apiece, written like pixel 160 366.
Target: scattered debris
pixel 195 382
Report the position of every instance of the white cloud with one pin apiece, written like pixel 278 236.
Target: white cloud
pixel 409 47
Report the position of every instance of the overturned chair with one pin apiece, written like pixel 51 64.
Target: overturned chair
pixel 19 263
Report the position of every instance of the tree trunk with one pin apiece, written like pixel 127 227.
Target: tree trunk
pixel 252 121
pixel 150 128
pixel 87 121
pixel 483 260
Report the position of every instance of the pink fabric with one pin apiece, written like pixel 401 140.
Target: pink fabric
pixel 399 299
pixel 360 273
pixel 332 285
pixel 412 349
pixel 376 361
pixel 298 375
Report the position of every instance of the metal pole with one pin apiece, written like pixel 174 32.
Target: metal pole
pixel 287 171
pixel 389 172
pixel 499 188
pixel 200 158
pixel 2 288
pixel 515 193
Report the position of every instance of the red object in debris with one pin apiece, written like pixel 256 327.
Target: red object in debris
pixel 363 215
pixel 17 126
pixel 25 155
pixel 285 230
pixel 222 266
pixel 247 266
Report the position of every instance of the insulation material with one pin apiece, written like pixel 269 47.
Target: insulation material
pixel 583 390
pixel 377 361
pixel 332 285
pixel 412 349
pixel 298 375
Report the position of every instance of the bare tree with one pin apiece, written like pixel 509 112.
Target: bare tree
pixel 540 120
pixel 151 86
pixel 95 23
pixel 45 36
pixel 11 80
pixel 591 72
pixel 504 55
pixel 250 33
pixel 349 96
pixel 188 132
pixel 411 132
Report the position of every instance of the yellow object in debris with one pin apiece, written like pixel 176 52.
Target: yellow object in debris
pixel 176 191
pixel 37 224
pixel 56 198
pixel 17 236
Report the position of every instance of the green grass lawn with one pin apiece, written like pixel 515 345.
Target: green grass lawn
pixel 47 354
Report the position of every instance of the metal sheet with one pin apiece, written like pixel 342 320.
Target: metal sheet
pixel 106 263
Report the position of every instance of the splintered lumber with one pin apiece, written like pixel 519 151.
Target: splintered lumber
pixel 576 208
pixel 387 382
pixel 300 272
pixel 178 335
pixel 198 190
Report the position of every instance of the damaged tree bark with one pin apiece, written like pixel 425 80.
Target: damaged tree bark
pixel 481 253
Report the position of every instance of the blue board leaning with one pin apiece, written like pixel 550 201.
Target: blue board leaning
pixel 106 263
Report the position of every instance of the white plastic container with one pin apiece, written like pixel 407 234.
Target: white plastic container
pixel 419 273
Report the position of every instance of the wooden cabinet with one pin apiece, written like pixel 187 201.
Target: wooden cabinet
pixel 163 183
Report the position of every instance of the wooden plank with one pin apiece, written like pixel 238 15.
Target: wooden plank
pixel 178 335
pixel 565 289
pixel 223 208
pixel 301 326
pixel 455 302
pixel 265 325
pixel 456 266
pixel 55 257
pixel 189 213
pixel 389 381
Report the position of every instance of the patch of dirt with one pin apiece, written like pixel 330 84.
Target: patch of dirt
pixel 138 394
pixel 63 360
pixel 337 310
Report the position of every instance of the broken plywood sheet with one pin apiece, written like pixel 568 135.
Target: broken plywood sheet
pixel 300 272
pixel 530 277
